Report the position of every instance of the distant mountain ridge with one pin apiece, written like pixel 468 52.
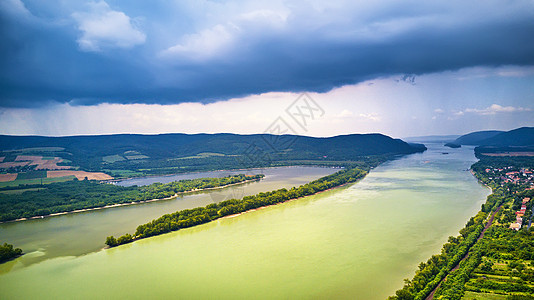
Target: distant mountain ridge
pixel 514 142
pixel 475 138
pixel 88 151
pixel 519 137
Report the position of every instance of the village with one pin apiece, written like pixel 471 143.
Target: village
pixel 524 180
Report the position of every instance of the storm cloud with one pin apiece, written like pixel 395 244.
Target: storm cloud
pixel 167 52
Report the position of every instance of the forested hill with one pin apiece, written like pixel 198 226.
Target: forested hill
pixel 89 151
pixel 474 138
pixel 191 144
pixel 520 137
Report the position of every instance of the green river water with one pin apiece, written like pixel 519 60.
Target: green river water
pixel 355 242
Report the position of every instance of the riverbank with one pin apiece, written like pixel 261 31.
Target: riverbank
pixel 290 200
pixel 201 215
pixel 131 203
pixel 120 180
pixel 335 232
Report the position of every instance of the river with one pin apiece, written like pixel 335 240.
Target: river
pixel 355 242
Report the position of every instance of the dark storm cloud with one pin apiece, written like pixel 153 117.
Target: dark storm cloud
pixel 126 53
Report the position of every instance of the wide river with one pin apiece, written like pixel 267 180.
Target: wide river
pixel 355 242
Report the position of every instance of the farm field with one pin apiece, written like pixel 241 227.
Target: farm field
pixel 8 177
pixel 25 169
pixel 18 182
pixel 510 154
pixel 43 163
pixel 483 296
pixel 79 174
pixel 40 162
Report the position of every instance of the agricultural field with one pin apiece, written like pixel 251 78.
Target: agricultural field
pixel 112 158
pixel 128 155
pixel 38 169
pixel 201 155
pixel 483 296
pixel 48 163
pixel 81 175
pixel 510 154
pixel 38 181
pixel 137 156
pixel 8 177
pixel 40 162
pixel 13 164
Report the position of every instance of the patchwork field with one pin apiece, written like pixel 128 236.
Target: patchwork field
pixel 81 175
pixel 128 155
pixel 8 177
pixel 34 181
pixel 510 154
pixel 47 163
pixel 13 164
pixel 482 296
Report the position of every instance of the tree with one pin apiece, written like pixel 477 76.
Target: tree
pixel 111 241
pixel 8 252
pixel 127 238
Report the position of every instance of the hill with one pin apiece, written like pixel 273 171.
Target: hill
pixel 175 153
pixel 520 137
pixel 475 138
pixel 517 142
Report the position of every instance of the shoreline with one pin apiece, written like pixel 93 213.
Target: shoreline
pixel 128 203
pixel 289 200
pixel 135 238
pixel 115 181
pixel 479 181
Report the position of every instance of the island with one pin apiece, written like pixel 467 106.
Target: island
pixel 453 145
pixel 200 215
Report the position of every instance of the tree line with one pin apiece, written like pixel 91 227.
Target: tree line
pixel 8 252
pixel 200 215
pixel 75 195
pixel 431 273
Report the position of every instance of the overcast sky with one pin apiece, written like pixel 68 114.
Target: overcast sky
pixel 402 68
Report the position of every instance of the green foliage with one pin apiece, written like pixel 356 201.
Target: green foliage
pixel 431 273
pixel 520 297
pixel 497 263
pixel 32 175
pixel 8 252
pixel 75 195
pixel 192 217
pixel 111 241
pixel 95 153
pixel 127 238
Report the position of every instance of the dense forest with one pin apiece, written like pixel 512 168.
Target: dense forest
pixel 192 217
pixel 8 252
pixel 75 195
